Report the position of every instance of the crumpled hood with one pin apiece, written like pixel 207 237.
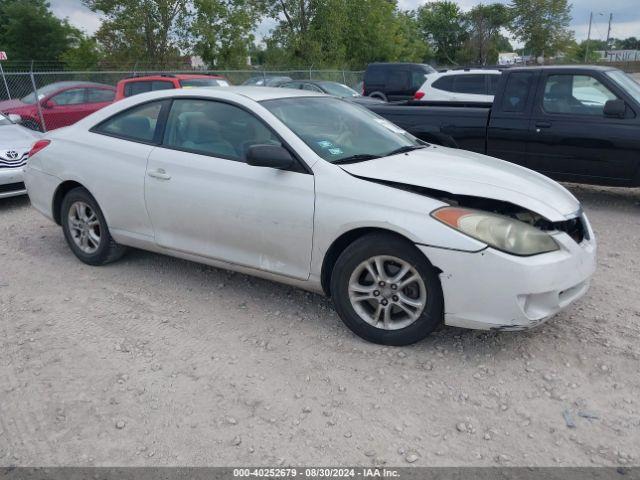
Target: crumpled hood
pixel 466 173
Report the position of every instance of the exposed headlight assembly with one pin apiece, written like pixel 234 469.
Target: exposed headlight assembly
pixel 498 231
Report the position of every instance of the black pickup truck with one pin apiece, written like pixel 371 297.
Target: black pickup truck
pixel 572 123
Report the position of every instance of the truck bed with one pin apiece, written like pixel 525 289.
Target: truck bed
pixel 440 122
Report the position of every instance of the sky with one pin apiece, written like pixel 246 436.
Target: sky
pixel 626 16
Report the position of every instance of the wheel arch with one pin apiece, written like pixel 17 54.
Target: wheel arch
pixel 64 188
pixel 340 244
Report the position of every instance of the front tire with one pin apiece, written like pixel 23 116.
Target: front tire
pixel 386 291
pixel 86 231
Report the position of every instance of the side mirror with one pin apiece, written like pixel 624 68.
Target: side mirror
pixel 272 156
pixel 48 104
pixel 15 118
pixel 615 108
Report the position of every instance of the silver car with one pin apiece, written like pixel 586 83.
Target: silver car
pixel 15 143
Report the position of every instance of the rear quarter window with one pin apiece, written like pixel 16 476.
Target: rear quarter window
pixel 444 83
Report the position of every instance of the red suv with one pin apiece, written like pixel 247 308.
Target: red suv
pixel 61 103
pixel 135 85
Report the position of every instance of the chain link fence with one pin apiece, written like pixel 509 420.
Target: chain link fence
pixel 45 100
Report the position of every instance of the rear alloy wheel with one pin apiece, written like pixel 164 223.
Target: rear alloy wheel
pixel 386 291
pixel 86 231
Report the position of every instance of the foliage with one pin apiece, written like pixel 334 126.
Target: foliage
pixel 543 25
pixel 84 54
pixel 484 24
pixel 145 31
pixel 442 26
pixel 631 43
pixel 29 31
pixel 347 33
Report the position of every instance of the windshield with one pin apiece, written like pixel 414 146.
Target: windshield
pixel 338 130
pixel 203 82
pixel 42 92
pixel 626 82
pixel 338 89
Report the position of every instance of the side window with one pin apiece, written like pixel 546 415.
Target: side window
pixel 161 85
pixel 100 95
pixel 374 76
pixel 444 83
pixel 73 96
pixel 417 79
pixel 516 92
pixel 137 123
pixel 472 84
pixel 143 86
pixel 311 88
pixel 135 88
pixel 575 94
pixel 215 128
pixel 493 84
pixel 398 80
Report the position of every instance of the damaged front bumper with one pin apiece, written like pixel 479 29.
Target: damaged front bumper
pixel 490 289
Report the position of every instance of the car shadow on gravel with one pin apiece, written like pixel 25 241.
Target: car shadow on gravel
pixel 14 203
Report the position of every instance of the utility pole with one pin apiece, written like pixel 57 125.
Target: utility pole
pixel 609 34
pixel 586 51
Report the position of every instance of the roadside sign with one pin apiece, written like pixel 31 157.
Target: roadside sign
pixel 3 55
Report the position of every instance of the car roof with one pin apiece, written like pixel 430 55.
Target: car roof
pixel 466 71
pixel 76 83
pixel 178 76
pixel 257 94
pixel 598 68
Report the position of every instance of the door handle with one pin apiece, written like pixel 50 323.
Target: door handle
pixel 160 174
pixel 540 125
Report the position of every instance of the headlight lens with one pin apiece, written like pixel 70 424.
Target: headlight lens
pixel 504 233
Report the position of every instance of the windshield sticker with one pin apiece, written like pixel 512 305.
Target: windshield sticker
pixel 335 151
pixel 325 144
pixel 389 126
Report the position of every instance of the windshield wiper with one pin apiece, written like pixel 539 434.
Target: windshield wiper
pixel 405 149
pixel 356 158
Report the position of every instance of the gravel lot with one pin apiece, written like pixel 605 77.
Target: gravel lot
pixel 158 361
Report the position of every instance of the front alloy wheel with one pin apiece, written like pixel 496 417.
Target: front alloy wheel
pixel 386 291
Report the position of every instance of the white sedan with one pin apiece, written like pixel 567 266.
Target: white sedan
pixel 15 143
pixel 316 192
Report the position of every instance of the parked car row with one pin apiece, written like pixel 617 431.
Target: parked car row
pixel 61 104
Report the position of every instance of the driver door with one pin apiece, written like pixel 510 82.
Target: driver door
pixel 571 138
pixel 204 199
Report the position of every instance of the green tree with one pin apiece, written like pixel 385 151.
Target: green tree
pixel 29 31
pixel 442 26
pixel 341 33
pixel 631 43
pixel 141 30
pixel 221 31
pixel 543 25
pixel 484 24
pixel 84 54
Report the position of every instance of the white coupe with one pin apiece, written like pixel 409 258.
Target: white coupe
pixel 320 193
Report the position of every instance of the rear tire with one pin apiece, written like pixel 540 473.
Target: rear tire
pixel 380 96
pixel 379 302
pixel 86 231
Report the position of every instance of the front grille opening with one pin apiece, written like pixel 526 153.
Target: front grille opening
pixel 12 187
pixel 574 228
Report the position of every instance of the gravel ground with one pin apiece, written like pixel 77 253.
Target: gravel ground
pixel 159 361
